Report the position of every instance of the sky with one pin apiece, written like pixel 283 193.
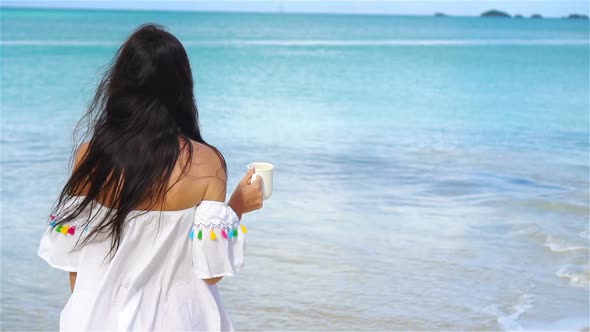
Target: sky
pixel 546 8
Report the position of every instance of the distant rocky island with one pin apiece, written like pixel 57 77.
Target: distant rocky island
pixel 494 13
pixel 438 14
pixel 577 17
pixel 499 13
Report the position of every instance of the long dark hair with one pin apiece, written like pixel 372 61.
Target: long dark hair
pixel 143 108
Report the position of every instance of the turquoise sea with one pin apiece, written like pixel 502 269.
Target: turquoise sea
pixel 431 173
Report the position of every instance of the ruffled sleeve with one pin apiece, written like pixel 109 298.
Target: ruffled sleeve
pixel 218 240
pixel 58 242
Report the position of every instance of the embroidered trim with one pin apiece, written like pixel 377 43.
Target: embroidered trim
pixel 218 226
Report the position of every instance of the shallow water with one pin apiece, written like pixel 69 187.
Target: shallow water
pixel 432 173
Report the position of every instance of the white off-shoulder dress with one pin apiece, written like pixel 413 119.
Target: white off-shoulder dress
pixel 154 281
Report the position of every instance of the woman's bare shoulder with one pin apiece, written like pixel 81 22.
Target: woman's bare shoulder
pixel 205 160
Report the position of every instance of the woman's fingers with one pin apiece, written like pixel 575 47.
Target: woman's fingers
pixel 247 196
pixel 246 179
pixel 257 182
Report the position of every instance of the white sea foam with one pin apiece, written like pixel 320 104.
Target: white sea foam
pixel 559 246
pixel 326 43
pixel 60 43
pixel 579 276
pixel 508 319
pixel 411 42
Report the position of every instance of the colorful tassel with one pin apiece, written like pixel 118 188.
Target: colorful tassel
pixel 225 233
pixel 72 230
pixel 58 228
pixel 64 230
pixel 53 223
pixel 52 217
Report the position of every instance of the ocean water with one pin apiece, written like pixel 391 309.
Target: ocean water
pixel 431 173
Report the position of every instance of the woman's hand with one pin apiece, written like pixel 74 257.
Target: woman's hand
pixel 247 196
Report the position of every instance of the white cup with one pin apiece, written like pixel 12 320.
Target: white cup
pixel 264 170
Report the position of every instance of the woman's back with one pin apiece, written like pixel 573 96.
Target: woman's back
pixel 185 190
pixel 204 178
pixel 152 280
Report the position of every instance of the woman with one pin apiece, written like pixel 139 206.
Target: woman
pixel 141 224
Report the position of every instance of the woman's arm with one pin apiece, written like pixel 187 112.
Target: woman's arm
pixel 246 197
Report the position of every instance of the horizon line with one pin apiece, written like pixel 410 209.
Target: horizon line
pixel 433 14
